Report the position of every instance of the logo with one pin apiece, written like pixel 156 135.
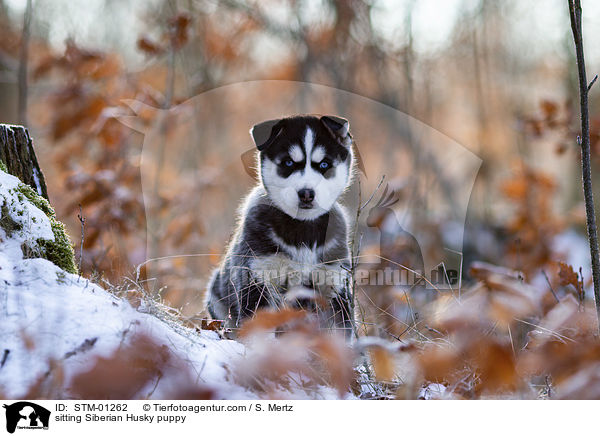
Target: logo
pixel 26 415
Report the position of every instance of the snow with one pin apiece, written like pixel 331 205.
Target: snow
pixel 59 312
pixel 46 315
pixel 35 224
pixel 432 391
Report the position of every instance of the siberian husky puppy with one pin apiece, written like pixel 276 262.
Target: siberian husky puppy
pixel 291 244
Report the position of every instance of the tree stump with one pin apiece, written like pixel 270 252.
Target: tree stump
pixel 17 153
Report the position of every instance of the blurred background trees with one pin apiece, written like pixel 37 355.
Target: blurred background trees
pixel 497 77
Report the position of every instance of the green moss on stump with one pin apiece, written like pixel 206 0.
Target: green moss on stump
pixel 3 166
pixel 60 251
pixel 6 222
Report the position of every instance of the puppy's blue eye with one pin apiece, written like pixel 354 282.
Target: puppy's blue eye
pixel 324 165
pixel 288 162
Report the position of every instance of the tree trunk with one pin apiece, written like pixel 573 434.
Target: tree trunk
pixel 17 153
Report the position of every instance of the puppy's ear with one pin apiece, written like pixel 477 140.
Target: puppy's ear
pixel 265 133
pixel 339 127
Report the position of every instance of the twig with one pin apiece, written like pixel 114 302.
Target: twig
pixel 581 290
pixel 355 249
pixel 4 357
pixel 548 380
pixel 584 142
pixel 512 344
pixel 353 263
pixel 562 338
pixel 87 345
pixel 82 221
pixel 354 254
pixel 158 379
pixel 22 110
pixel 592 82
pixel 550 286
pixel 372 195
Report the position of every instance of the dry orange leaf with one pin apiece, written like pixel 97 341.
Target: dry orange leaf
pixel 149 47
pixel 122 375
pixel 268 320
pixel 437 363
pixel 569 277
pixel 383 363
pixel 495 364
pixel 213 325
pixel 337 359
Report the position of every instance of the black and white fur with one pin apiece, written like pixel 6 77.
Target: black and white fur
pixel 293 225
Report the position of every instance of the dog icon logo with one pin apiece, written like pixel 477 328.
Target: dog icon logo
pixel 26 415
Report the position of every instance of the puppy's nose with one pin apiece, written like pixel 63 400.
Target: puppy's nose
pixel 306 196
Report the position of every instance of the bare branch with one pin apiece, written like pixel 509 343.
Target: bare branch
pixel 82 221
pixel 592 82
pixel 373 194
pixel 584 142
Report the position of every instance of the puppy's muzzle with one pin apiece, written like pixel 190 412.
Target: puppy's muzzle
pixel 306 197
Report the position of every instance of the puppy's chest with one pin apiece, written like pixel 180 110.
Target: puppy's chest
pixel 304 257
pixel 308 252
pixel 300 261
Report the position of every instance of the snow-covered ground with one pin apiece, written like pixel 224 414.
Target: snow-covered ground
pixel 55 325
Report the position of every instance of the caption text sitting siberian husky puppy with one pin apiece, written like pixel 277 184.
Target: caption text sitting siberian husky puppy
pixel 291 244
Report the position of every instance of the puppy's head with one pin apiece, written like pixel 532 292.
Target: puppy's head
pixel 305 162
